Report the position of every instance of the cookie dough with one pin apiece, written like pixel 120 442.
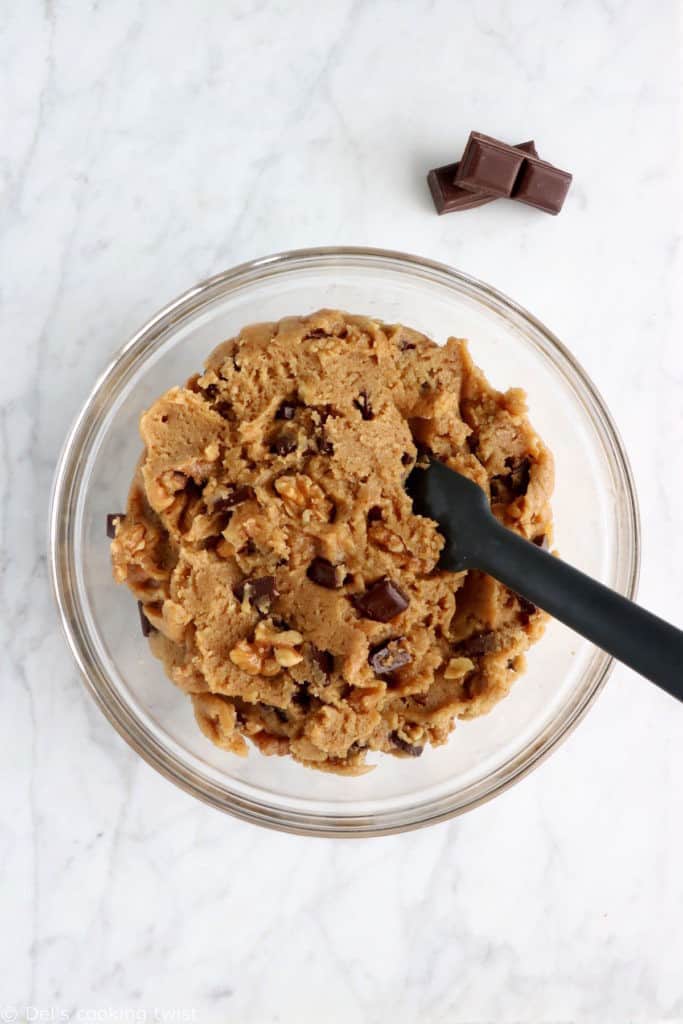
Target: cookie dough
pixel 291 591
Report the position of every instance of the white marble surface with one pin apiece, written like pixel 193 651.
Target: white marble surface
pixel 146 145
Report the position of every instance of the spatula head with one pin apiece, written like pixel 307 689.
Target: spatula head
pixel 458 505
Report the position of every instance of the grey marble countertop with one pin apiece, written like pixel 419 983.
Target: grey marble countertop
pixel 147 145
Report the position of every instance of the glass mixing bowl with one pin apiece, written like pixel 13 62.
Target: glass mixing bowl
pixel 596 523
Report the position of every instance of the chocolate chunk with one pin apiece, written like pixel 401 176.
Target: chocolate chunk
pixel 484 642
pixel 259 590
pixel 404 345
pixel 488 165
pixel 111 525
pixel 542 542
pixel 363 404
pixel 325 574
pixel 543 186
pixel 374 514
pixel 278 712
pixel 448 197
pixel 526 609
pixel 323 659
pixel 325 447
pixel 224 409
pixel 514 484
pixel 145 625
pixel 407 748
pixel 284 444
pixel 519 475
pixel 302 697
pixel 236 497
pixel 406 459
pixel 193 488
pixel 381 602
pixel 210 392
pixel 389 656
pixel 287 410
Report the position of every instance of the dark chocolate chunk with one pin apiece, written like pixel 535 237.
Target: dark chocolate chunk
pixel 249 548
pixel 407 748
pixel 514 483
pixel 363 404
pixel 541 185
pixel 519 475
pixel 382 601
pixel 480 643
pixel 224 409
pixel 302 697
pixel 287 410
pixel 323 659
pixel 374 514
pixel 284 444
pixel 526 609
pixel 210 392
pixel 404 345
pixel 145 625
pixel 111 525
pixel 448 198
pixel 325 574
pixel 236 497
pixel 258 590
pixel 325 447
pixel 389 656
pixel 542 542
pixel 406 459
pixel 488 165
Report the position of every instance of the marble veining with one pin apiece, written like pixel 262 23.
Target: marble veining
pixel 147 145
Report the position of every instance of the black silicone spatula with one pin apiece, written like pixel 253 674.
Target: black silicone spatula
pixel 476 540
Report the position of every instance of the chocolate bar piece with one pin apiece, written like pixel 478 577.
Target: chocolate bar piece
pixel 449 197
pixel 542 185
pixel 488 165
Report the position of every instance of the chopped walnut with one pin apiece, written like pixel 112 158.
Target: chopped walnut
pixel 387 539
pixel 458 667
pixel 303 497
pixel 254 659
pixel 269 652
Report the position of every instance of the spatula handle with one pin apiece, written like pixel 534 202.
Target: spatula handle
pixel 643 641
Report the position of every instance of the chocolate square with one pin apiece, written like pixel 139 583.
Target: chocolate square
pixel 449 197
pixel 542 185
pixel 488 166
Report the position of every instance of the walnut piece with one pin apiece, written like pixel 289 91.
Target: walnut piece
pixel 387 539
pixel 458 667
pixel 303 497
pixel 269 652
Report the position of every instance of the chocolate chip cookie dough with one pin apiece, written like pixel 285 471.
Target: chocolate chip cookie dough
pixel 288 587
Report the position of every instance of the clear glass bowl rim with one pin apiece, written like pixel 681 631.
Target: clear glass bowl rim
pixel 64 500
